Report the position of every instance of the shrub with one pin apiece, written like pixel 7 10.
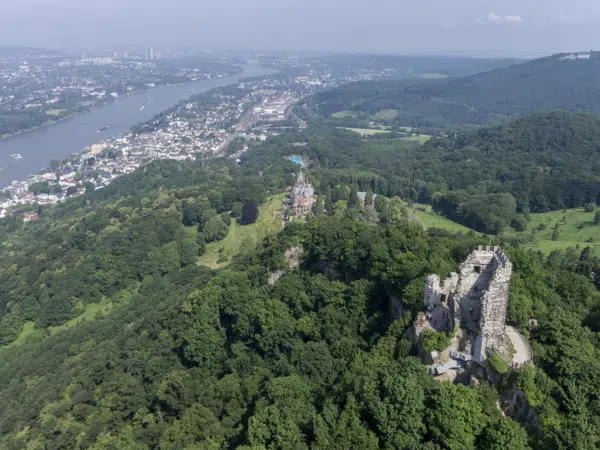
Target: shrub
pixel 498 364
pixel 249 213
pixel 436 342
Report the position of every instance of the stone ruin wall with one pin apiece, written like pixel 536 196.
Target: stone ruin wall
pixel 471 287
pixel 478 298
pixel 495 304
pixel 434 290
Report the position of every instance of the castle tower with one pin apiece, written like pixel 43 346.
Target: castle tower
pixel 477 298
pixel 481 298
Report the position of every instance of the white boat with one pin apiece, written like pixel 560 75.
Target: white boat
pixel 2 169
pixel 142 108
pixel 16 156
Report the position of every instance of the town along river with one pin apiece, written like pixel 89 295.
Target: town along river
pixel 72 135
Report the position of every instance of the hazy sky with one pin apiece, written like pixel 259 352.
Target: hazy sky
pixel 516 27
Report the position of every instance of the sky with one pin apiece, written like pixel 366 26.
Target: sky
pixel 509 27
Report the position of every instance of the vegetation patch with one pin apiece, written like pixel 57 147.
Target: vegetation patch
pixel 430 219
pixel 576 228
pixel 365 131
pixel 343 114
pixel 386 114
pixel 218 254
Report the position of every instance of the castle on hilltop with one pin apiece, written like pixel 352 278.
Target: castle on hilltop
pixel 475 300
pixel 303 197
pixel 470 307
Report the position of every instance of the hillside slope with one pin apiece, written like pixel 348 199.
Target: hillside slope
pixel 541 84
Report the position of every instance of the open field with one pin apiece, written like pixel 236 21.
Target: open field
pixel 430 219
pixel 386 114
pixel 365 131
pixel 218 254
pixel 430 75
pixel 89 313
pixel 422 138
pixel 55 112
pixel 370 131
pixel 576 227
pixel 342 114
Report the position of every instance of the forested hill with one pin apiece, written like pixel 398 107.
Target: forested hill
pixel 114 337
pixel 483 178
pixel 451 103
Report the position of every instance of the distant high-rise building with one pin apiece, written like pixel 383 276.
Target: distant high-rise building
pixel 151 53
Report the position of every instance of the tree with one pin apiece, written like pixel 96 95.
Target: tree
pixel 192 213
pixel 10 327
pixel 597 218
pixel 454 416
pixel 249 212
pixel 555 234
pixel 226 218
pixel 89 187
pixel 236 209
pixel 519 223
pixel 162 260
pixel 188 251
pixel 435 341
pixel 354 200
pixel 215 229
pixel 54 164
pixel 498 364
pixel 504 434
pixel 71 190
pixel 589 207
pixel 339 209
pixel 369 197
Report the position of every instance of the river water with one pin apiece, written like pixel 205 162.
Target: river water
pixel 56 141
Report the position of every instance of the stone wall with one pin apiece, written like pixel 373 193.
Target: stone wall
pixel 495 303
pixel 477 298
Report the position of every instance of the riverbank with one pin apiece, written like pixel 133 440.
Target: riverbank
pixel 109 101
pixel 61 138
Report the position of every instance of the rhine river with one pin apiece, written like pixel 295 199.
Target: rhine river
pixel 72 135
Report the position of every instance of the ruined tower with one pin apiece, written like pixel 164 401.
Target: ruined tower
pixel 477 298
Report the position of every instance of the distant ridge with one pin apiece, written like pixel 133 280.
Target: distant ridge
pixel 566 81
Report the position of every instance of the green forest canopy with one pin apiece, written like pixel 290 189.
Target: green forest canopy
pixel 450 104
pixel 189 358
pixel 482 179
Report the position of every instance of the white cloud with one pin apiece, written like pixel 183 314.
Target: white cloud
pixel 502 19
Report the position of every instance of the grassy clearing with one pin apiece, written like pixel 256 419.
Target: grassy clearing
pixel 28 330
pixel 430 219
pixel 365 131
pixel 576 227
pixel 89 313
pixel 370 131
pixel 55 112
pixel 218 254
pixel 431 76
pixel 386 114
pixel 422 138
pixel 342 114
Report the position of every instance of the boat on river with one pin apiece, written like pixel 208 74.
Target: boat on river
pixel 16 156
pixel 106 127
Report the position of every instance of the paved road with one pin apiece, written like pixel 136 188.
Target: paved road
pixel 522 349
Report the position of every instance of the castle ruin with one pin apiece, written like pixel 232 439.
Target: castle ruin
pixel 303 197
pixel 474 301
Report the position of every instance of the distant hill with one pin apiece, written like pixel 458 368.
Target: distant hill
pixel 482 178
pixel 555 82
